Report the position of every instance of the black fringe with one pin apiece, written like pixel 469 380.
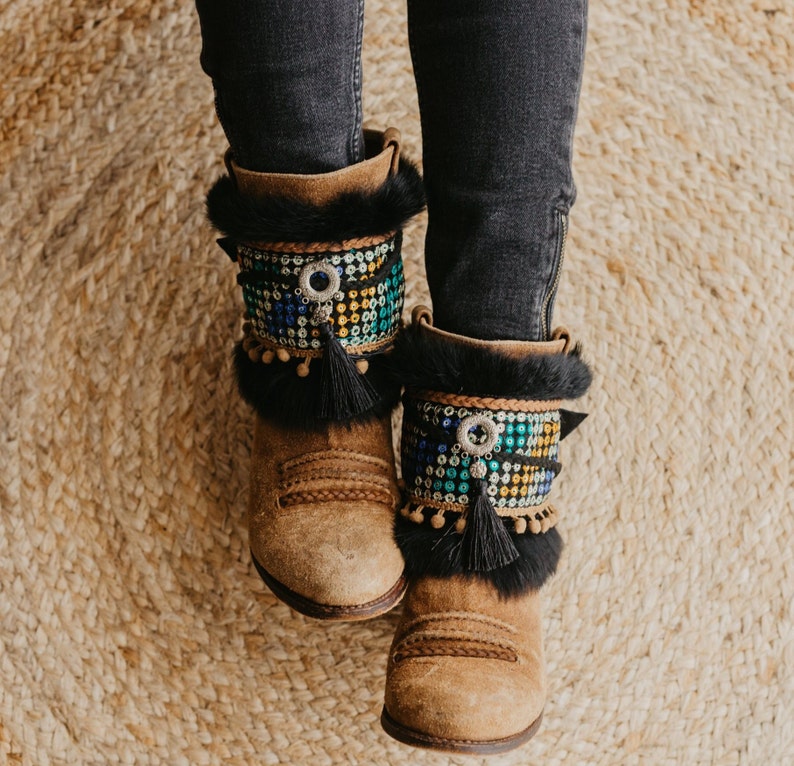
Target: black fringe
pixel 355 214
pixel 436 553
pixel 426 361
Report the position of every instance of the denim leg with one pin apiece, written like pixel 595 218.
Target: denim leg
pixel 287 80
pixel 498 85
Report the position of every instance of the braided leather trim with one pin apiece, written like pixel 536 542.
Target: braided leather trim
pixel 457 642
pixel 457 647
pixel 489 403
pixel 322 247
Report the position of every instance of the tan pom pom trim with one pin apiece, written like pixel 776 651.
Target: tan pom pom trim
pixel 265 351
pixel 536 520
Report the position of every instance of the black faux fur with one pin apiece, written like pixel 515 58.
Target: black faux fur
pixel 428 551
pixel 355 214
pixel 426 361
pixel 277 393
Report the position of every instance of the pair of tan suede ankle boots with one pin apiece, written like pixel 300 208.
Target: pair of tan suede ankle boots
pixel 468 536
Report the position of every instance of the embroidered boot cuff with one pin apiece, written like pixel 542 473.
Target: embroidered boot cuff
pixel 322 279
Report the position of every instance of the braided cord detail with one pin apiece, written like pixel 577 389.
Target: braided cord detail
pixel 489 403
pixel 322 247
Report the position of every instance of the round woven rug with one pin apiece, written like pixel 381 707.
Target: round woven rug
pixel 133 627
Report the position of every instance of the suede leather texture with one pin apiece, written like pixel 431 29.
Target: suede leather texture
pixel 464 665
pixel 321 509
pixel 322 188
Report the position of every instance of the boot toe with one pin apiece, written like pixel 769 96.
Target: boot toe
pixel 336 554
pixel 462 699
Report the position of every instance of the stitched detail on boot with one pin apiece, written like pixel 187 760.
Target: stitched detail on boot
pixel 342 475
pixel 336 476
pixel 457 646
pixel 337 495
pixel 348 456
pixel 459 616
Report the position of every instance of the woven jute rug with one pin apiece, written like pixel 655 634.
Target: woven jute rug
pixel 133 627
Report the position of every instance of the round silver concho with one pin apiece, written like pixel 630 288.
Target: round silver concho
pixel 467 443
pixel 319 267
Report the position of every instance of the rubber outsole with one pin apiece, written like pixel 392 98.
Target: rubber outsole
pixel 340 613
pixel 469 747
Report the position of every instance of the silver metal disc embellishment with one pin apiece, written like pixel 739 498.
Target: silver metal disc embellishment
pixel 319 267
pixel 465 435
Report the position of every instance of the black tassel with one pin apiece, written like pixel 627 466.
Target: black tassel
pixel 487 544
pixel 344 391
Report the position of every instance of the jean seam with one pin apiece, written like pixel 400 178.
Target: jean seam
pixel 355 146
pixel 582 43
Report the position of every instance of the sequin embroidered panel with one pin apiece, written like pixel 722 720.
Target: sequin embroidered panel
pixel 435 468
pixel 366 309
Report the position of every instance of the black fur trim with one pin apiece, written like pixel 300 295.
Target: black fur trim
pixel 428 551
pixel 423 360
pixel 355 214
pixel 277 393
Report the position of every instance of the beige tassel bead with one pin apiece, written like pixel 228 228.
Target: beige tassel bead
pixel 362 365
pixel 303 368
pixel 268 356
pixel 417 516
pixel 282 355
pixel 437 521
pixel 534 526
pixel 460 525
pixel 521 525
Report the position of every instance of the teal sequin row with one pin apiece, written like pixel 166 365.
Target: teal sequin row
pixel 436 467
pixel 366 309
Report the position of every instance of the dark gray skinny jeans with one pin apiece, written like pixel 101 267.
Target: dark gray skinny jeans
pixel 498 84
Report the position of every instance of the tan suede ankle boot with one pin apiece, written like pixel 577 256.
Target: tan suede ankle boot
pixel 480 447
pixel 322 280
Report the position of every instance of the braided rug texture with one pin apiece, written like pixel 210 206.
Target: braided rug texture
pixel 133 627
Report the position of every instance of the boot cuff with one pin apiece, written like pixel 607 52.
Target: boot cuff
pixel 429 359
pixel 477 505
pixel 282 218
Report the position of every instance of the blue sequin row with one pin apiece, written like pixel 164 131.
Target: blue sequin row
pixel 435 468
pixel 366 310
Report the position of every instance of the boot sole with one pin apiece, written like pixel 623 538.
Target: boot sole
pixel 466 746
pixel 339 613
